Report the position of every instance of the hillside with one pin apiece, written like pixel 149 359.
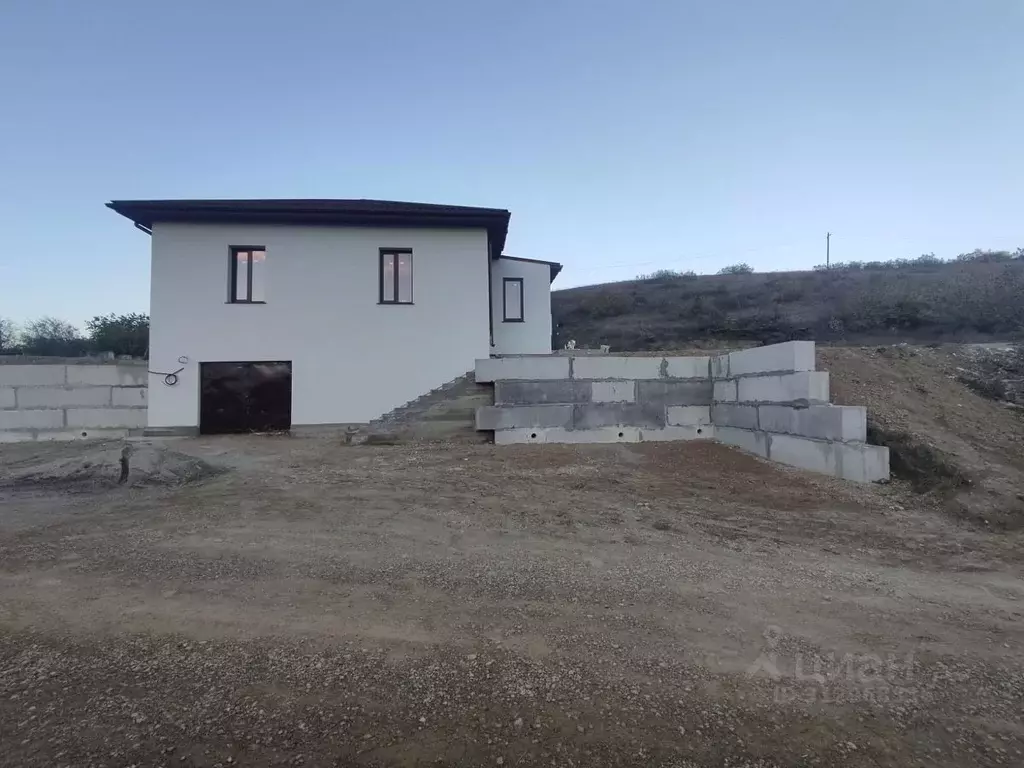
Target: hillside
pixel 946 301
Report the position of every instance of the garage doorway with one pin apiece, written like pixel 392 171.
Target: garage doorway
pixel 245 397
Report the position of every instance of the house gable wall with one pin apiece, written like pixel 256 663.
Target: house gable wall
pixel 352 358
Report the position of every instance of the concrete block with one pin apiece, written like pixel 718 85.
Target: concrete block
pixel 788 357
pixel 857 462
pixel 613 392
pixel 720 367
pixel 617 367
pixel 31 420
pixel 689 415
pixel 538 392
pixel 669 434
pixel 847 423
pixel 687 367
pixel 557 435
pixel 725 391
pixel 7 397
pixel 106 418
pixel 513 416
pixel 667 392
pixel 130 397
pixel 61 397
pixel 41 375
pixel 745 439
pixel 802 389
pixel 742 416
pixel 863 463
pixel 522 368
pixel 38 419
pixel 594 415
pixel 108 375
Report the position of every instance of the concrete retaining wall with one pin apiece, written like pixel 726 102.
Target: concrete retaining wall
pixel 570 399
pixel 70 398
pixel 772 402
pixel 769 401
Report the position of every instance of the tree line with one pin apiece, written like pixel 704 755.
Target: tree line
pixel 121 334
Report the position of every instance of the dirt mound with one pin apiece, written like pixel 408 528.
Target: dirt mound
pixel 995 371
pixel 965 450
pixel 97 465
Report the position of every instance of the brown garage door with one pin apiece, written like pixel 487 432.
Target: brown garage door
pixel 245 397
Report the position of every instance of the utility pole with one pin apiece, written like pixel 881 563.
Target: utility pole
pixel 828 249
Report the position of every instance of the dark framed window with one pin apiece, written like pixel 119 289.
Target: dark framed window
pixel 395 276
pixel 248 279
pixel 512 299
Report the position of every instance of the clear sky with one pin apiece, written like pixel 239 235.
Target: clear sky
pixel 623 136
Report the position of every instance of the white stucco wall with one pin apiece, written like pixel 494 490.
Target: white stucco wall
pixel 352 359
pixel 533 335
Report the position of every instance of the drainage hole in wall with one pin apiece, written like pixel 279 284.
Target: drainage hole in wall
pixel 533 435
pixel 85 434
pixel 620 434
pixel 700 431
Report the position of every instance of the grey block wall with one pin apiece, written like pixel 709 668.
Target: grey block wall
pixel 772 402
pixel 579 399
pixel 769 401
pixel 70 398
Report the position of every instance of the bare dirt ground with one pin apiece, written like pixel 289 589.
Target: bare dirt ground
pixel 914 395
pixel 293 601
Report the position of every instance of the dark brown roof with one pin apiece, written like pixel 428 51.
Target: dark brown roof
pixel 354 213
pixel 554 265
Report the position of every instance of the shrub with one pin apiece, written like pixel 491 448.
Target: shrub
pixel 666 274
pixel 120 334
pixel 736 269
pixel 50 336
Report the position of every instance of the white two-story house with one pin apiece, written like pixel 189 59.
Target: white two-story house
pixel 268 314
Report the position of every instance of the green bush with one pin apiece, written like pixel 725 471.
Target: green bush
pixel 120 334
pixel 736 269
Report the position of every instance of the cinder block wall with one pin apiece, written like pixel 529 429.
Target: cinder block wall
pixel 769 400
pixel 69 398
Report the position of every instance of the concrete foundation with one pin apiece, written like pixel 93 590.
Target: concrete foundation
pixel 498 418
pixel 769 401
pixel 556 435
pixel 668 434
pixel 850 461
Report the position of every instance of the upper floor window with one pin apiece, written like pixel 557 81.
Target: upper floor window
pixel 512 299
pixel 248 274
pixel 395 276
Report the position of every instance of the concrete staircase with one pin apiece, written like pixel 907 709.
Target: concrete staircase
pixel 445 413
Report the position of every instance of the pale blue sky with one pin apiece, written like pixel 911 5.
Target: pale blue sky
pixel 623 136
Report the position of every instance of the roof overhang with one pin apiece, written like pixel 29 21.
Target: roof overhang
pixel 350 213
pixel 553 265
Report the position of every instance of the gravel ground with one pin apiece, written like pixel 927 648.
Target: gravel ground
pixel 300 602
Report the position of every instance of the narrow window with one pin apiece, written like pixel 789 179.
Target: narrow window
pixel 248 274
pixel 395 276
pixel 512 299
